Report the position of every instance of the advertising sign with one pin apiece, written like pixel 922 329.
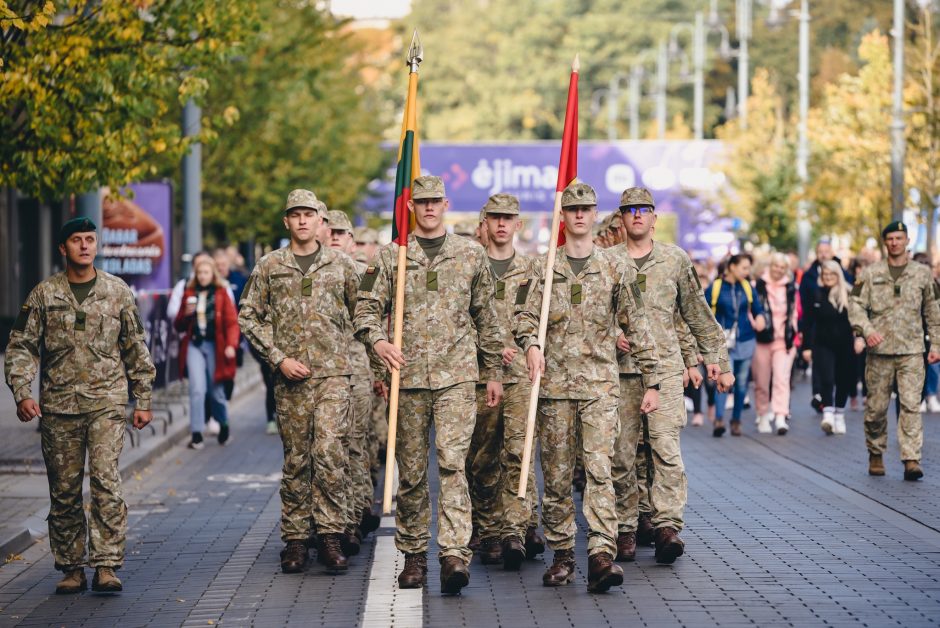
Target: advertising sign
pixel 135 235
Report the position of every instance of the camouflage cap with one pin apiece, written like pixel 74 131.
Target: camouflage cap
pixel 76 225
pixel 891 227
pixel 506 204
pixel 365 235
pixel 322 209
pixel 428 186
pixel 466 228
pixel 301 198
pixel 613 222
pixel 338 220
pixel 577 195
pixel 633 197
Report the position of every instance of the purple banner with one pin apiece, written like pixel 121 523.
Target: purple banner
pixel 682 175
pixel 135 236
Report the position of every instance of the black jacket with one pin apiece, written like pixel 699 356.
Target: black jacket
pixel 826 326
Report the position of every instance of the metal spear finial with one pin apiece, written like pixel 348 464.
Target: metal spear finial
pixel 415 52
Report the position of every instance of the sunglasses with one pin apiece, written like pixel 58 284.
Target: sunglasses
pixel 637 210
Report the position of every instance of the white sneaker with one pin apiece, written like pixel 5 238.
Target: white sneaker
pixel 729 402
pixel 780 424
pixel 763 424
pixel 923 407
pixel 828 420
pixel 212 427
pixel 933 404
pixel 688 404
pixel 839 427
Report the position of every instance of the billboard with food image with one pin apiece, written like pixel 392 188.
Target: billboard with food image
pixel 134 241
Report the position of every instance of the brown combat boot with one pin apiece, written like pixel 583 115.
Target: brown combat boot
pixel 912 471
pixel 454 575
pixel 562 570
pixel 513 554
pixel 534 544
pixel 330 554
pixel 626 547
pixel 474 543
pixel 876 465
pixel 491 552
pixel 350 543
pixel 644 529
pixel 294 557
pixel 414 572
pixel 669 546
pixel 368 522
pixel 72 582
pixel 106 581
pixel 603 573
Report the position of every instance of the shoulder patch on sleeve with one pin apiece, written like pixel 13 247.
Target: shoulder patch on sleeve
pixel 21 319
pixel 368 279
pixel 522 292
pixel 137 321
pixel 857 288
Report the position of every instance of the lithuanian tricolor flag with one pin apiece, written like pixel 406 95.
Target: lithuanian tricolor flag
pixel 409 164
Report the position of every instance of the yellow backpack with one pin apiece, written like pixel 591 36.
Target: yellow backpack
pixel 716 291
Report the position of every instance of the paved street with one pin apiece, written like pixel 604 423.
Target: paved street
pixel 781 531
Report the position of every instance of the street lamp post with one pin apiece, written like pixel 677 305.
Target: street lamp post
pixel 662 84
pixel 897 115
pixel 802 149
pixel 743 31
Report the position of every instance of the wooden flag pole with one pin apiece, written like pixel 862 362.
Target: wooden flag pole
pixel 543 330
pixel 415 54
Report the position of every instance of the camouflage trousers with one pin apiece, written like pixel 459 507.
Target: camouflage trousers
pixel 667 482
pixel 559 422
pixel 452 411
pixel 379 428
pixel 312 417
pixel 65 440
pixel 643 475
pixel 494 464
pixel 361 491
pixel 880 374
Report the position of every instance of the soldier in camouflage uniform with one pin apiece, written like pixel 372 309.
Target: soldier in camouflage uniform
pixel 448 312
pixel 680 321
pixel 296 312
pixel 507 525
pixel 361 520
pixel 595 299
pixel 891 305
pixel 81 331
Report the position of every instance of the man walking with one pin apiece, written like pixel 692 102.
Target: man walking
pixel 296 312
pixel 891 305
pixel 449 312
pixel 81 331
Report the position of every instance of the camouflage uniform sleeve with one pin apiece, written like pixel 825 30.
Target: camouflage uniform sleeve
pixel 932 313
pixel 353 279
pixel 687 345
pixel 254 320
pixel 21 364
pixel 483 312
pixel 697 314
pixel 528 306
pixel 633 321
pixel 858 305
pixel 374 296
pixel 134 353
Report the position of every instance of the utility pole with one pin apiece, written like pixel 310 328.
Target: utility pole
pixel 636 74
pixel 897 116
pixel 662 84
pixel 802 149
pixel 698 55
pixel 743 29
pixel 192 187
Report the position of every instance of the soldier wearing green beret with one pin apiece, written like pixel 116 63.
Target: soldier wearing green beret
pixel 892 303
pixel 448 318
pixel 595 300
pixel 81 332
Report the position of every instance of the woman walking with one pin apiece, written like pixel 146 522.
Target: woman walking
pixel 828 341
pixel 773 356
pixel 209 324
pixel 741 316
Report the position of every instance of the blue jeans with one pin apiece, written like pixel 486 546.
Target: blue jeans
pixel 933 379
pixel 200 368
pixel 741 370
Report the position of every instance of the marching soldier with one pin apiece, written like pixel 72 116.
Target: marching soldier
pixel 595 299
pixel 892 303
pixel 507 525
pixel 296 312
pixel 675 305
pixel 449 311
pixel 81 330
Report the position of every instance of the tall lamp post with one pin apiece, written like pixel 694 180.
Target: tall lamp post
pixel 802 149
pixel 897 115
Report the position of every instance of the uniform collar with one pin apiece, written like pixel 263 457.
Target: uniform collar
pixel 592 265
pixel 416 252
pixel 63 290
pixel 286 257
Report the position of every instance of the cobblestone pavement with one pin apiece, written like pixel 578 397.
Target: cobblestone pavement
pixel 782 530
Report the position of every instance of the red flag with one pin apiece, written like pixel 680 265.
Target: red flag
pixel 409 166
pixel 568 162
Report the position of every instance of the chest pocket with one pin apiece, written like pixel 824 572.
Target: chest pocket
pixel 106 329
pixel 60 327
pixel 882 295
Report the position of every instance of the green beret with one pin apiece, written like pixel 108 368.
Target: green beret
pixel 891 227
pixel 76 225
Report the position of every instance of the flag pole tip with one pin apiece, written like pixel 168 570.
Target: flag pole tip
pixel 416 50
pixel 576 64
